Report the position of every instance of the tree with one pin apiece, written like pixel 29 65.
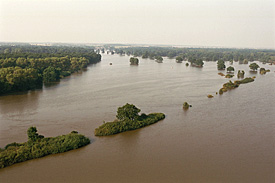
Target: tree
pixel 230 69
pixel 240 74
pixel 134 61
pixel 185 105
pixel 179 59
pixel 127 112
pixel 198 62
pixel 159 59
pixel 245 61
pixel 220 65
pixel 33 135
pixel 254 66
pixel 50 75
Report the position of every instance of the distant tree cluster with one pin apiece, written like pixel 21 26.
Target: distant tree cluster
pixel 206 54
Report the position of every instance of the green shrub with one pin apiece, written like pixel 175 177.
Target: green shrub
pixel 229 75
pixel 185 105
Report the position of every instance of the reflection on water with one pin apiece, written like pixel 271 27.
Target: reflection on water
pixel 229 138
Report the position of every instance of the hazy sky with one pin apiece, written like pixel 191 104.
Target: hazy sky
pixel 228 23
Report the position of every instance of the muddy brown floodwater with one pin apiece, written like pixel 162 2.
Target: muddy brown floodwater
pixel 229 138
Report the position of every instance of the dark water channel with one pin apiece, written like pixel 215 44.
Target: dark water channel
pixel 229 138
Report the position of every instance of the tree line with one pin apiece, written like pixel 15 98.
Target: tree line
pixel 24 68
pixel 206 54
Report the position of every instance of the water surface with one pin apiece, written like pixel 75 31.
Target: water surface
pixel 229 138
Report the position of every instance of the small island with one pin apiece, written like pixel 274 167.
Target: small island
pixel 221 74
pixel 128 119
pixel 263 71
pixel 186 106
pixel 134 61
pixel 37 146
pixel 229 75
pixel 210 96
pixel 230 85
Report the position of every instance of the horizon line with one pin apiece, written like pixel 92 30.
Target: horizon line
pixel 139 44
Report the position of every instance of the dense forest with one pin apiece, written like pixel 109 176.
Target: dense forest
pixel 196 55
pixel 26 67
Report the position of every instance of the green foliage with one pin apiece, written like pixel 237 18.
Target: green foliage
pixel 38 147
pixel 220 65
pixel 18 79
pixel 210 96
pixel 196 62
pixel 263 71
pixel 207 54
pixel 127 112
pixel 14 144
pixel 240 74
pixel 50 74
pixel 230 85
pixel 159 59
pixel 185 105
pixel 26 68
pixel 254 66
pixel 115 127
pixel 229 75
pixel 179 59
pixel 244 81
pixel 33 135
pixel 134 61
pixel 230 69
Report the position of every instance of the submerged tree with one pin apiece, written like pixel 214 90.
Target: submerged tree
pixel 134 61
pixel 230 69
pixel 179 59
pixel 185 105
pixel 159 59
pixel 220 65
pixel 240 74
pixel 254 66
